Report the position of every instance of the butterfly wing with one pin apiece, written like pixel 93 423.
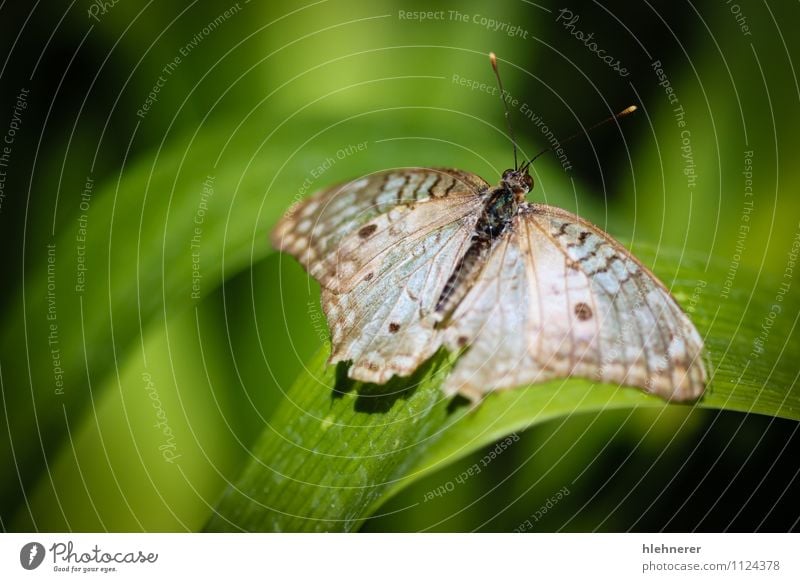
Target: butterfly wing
pixel 382 248
pixel 559 297
pixel 380 324
pixel 329 230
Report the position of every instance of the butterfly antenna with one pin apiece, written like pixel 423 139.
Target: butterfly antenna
pixel 623 113
pixel 493 60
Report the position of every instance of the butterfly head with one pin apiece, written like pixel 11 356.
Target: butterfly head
pixel 518 181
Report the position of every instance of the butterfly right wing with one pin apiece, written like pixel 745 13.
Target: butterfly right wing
pixel 559 297
pixel 337 232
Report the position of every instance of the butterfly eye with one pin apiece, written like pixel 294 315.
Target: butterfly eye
pixel 528 181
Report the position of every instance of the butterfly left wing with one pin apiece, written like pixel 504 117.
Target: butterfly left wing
pixel 379 324
pixel 382 248
pixel 559 297
pixel 341 228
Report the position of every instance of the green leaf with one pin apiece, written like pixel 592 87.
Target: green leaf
pixel 315 464
pixel 335 450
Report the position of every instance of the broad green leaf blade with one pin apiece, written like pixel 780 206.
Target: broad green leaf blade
pixel 327 461
pixel 332 449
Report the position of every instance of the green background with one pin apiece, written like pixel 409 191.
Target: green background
pixel 261 97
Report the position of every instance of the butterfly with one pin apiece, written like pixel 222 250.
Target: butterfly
pixel 411 260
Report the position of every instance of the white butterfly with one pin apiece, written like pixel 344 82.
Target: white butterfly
pixel 414 259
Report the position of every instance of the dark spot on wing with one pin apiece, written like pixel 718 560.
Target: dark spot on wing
pixel 394 327
pixel 367 231
pixel 462 341
pixel 369 276
pixel 583 311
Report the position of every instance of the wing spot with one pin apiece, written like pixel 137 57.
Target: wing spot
pixel 346 269
pixel 310 208
pixel 397 213
pixel 583 311
pixel 369 276
pixel 394 327
pixel 367 231
pixel 462 341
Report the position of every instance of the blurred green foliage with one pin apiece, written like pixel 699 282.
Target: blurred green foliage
pixel 257 101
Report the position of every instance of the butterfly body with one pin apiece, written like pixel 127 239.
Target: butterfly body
pixel 499 209
pixel 415 259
